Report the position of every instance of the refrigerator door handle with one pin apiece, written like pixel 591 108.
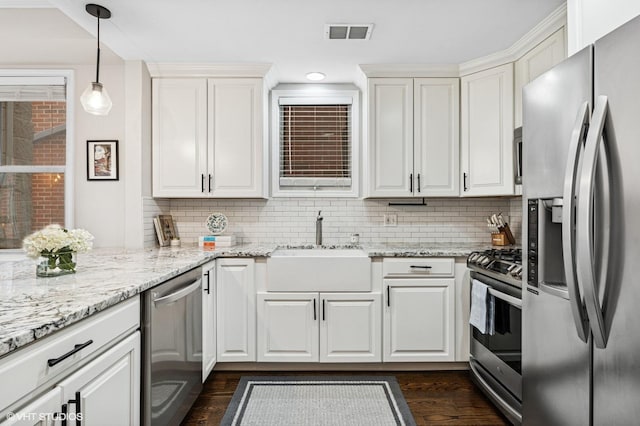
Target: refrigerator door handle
pixel 568 223
pixel 584 231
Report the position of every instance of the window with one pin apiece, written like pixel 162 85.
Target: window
pixel 315 142
pixel 34 153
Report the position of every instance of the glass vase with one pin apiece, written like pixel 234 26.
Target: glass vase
pixel 56 264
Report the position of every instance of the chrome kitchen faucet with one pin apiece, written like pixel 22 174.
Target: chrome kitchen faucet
pixel 319 229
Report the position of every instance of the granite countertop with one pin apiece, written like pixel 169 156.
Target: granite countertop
pixel 32 308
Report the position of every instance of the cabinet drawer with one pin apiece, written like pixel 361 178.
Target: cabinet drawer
pixel 28 368
pixel 418 266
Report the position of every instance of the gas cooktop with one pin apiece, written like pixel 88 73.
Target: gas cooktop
pixel 501 264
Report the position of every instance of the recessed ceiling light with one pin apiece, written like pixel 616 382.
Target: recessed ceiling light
pixel 315 76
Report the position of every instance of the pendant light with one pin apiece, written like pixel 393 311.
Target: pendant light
pixel 95 99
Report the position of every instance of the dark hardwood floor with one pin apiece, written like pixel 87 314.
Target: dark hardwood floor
pixel 434 397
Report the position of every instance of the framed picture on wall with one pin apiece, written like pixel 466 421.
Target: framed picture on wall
pixel 102 160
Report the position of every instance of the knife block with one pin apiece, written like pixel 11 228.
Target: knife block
pixel 499 239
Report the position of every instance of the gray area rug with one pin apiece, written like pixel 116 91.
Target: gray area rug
pixel 318 400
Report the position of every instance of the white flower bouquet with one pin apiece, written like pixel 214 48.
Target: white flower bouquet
pixel 57 246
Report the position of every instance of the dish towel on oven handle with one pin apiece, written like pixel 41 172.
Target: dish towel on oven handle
pixel 482 308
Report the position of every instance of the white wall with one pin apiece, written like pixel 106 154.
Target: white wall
pixel 100 205
pixel 588 20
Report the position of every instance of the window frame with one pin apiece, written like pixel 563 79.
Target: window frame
pixel 67 169
pixel 326 93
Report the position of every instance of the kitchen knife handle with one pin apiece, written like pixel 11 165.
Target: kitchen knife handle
pixel 464 182
pixel 411 182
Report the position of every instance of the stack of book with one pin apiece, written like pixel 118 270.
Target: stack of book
pixel 211 242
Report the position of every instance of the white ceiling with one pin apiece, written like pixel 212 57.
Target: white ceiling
pixel 290 33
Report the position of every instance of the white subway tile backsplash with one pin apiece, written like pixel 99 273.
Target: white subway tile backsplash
pixel 293 220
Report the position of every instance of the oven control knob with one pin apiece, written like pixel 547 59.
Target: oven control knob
pixel 473 257
pixel 486 261
pixel 517 272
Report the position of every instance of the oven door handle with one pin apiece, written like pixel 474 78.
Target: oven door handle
pixel 509 299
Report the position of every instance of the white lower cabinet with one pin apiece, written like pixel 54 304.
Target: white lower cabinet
pixel 236 310
pixel 208 318
pixel 288 327
pixel 325 327
pixel 419 320
pixel 107 390
pixel 44 411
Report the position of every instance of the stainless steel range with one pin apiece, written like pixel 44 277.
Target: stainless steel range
pixel 496 356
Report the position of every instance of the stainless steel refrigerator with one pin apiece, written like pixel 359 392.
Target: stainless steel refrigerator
pixel 581 237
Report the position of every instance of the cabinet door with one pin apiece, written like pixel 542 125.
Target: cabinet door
pixel 44 411
pixel 350 329
pixel 107 390
pixel 208 319
pixel 236 137
pixel 487 132
pixel 390 143
pixel 419 320
pixel 236 310
pixel 179 137
pixel 435 135
pixel 541 58
pixel 288 327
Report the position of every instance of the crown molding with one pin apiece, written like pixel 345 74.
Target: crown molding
pixel 167 69
pixel 410 70
pixel 549 25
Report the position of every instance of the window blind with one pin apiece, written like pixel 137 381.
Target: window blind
pixel 315 145
pixel 30 89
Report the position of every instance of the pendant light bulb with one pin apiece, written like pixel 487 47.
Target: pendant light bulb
pixel 95 99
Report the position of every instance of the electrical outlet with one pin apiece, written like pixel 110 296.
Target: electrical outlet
pixel 390 219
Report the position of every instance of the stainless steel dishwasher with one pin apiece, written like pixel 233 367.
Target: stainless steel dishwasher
pixel 172 348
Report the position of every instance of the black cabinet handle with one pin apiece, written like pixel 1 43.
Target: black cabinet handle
pixel 202 183
pixel 209 182
pixel 78 408
pixel 388 297
pixel 418 182
pixel 63 414
pixel 314 310
pixel 421 266
pixel 464 182
pixel 323 312
pixel 53 361
pixel 411 182
pixel 208 278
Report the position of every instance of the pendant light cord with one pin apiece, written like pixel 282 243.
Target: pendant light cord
pixel 98 60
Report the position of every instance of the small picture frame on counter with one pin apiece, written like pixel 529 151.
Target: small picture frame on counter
pixel 165 230
pixel 102 160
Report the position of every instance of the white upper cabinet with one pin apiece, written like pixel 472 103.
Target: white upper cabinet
pixel 179 137
pixel 208 137
pixel 390 137
pixel 487 132
pixel 435 135
pixel 541 58
pixel 413 137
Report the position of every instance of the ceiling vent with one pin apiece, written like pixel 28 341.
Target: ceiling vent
pixel 348 31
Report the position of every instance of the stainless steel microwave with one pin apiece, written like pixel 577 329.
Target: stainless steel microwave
pixel 517 150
